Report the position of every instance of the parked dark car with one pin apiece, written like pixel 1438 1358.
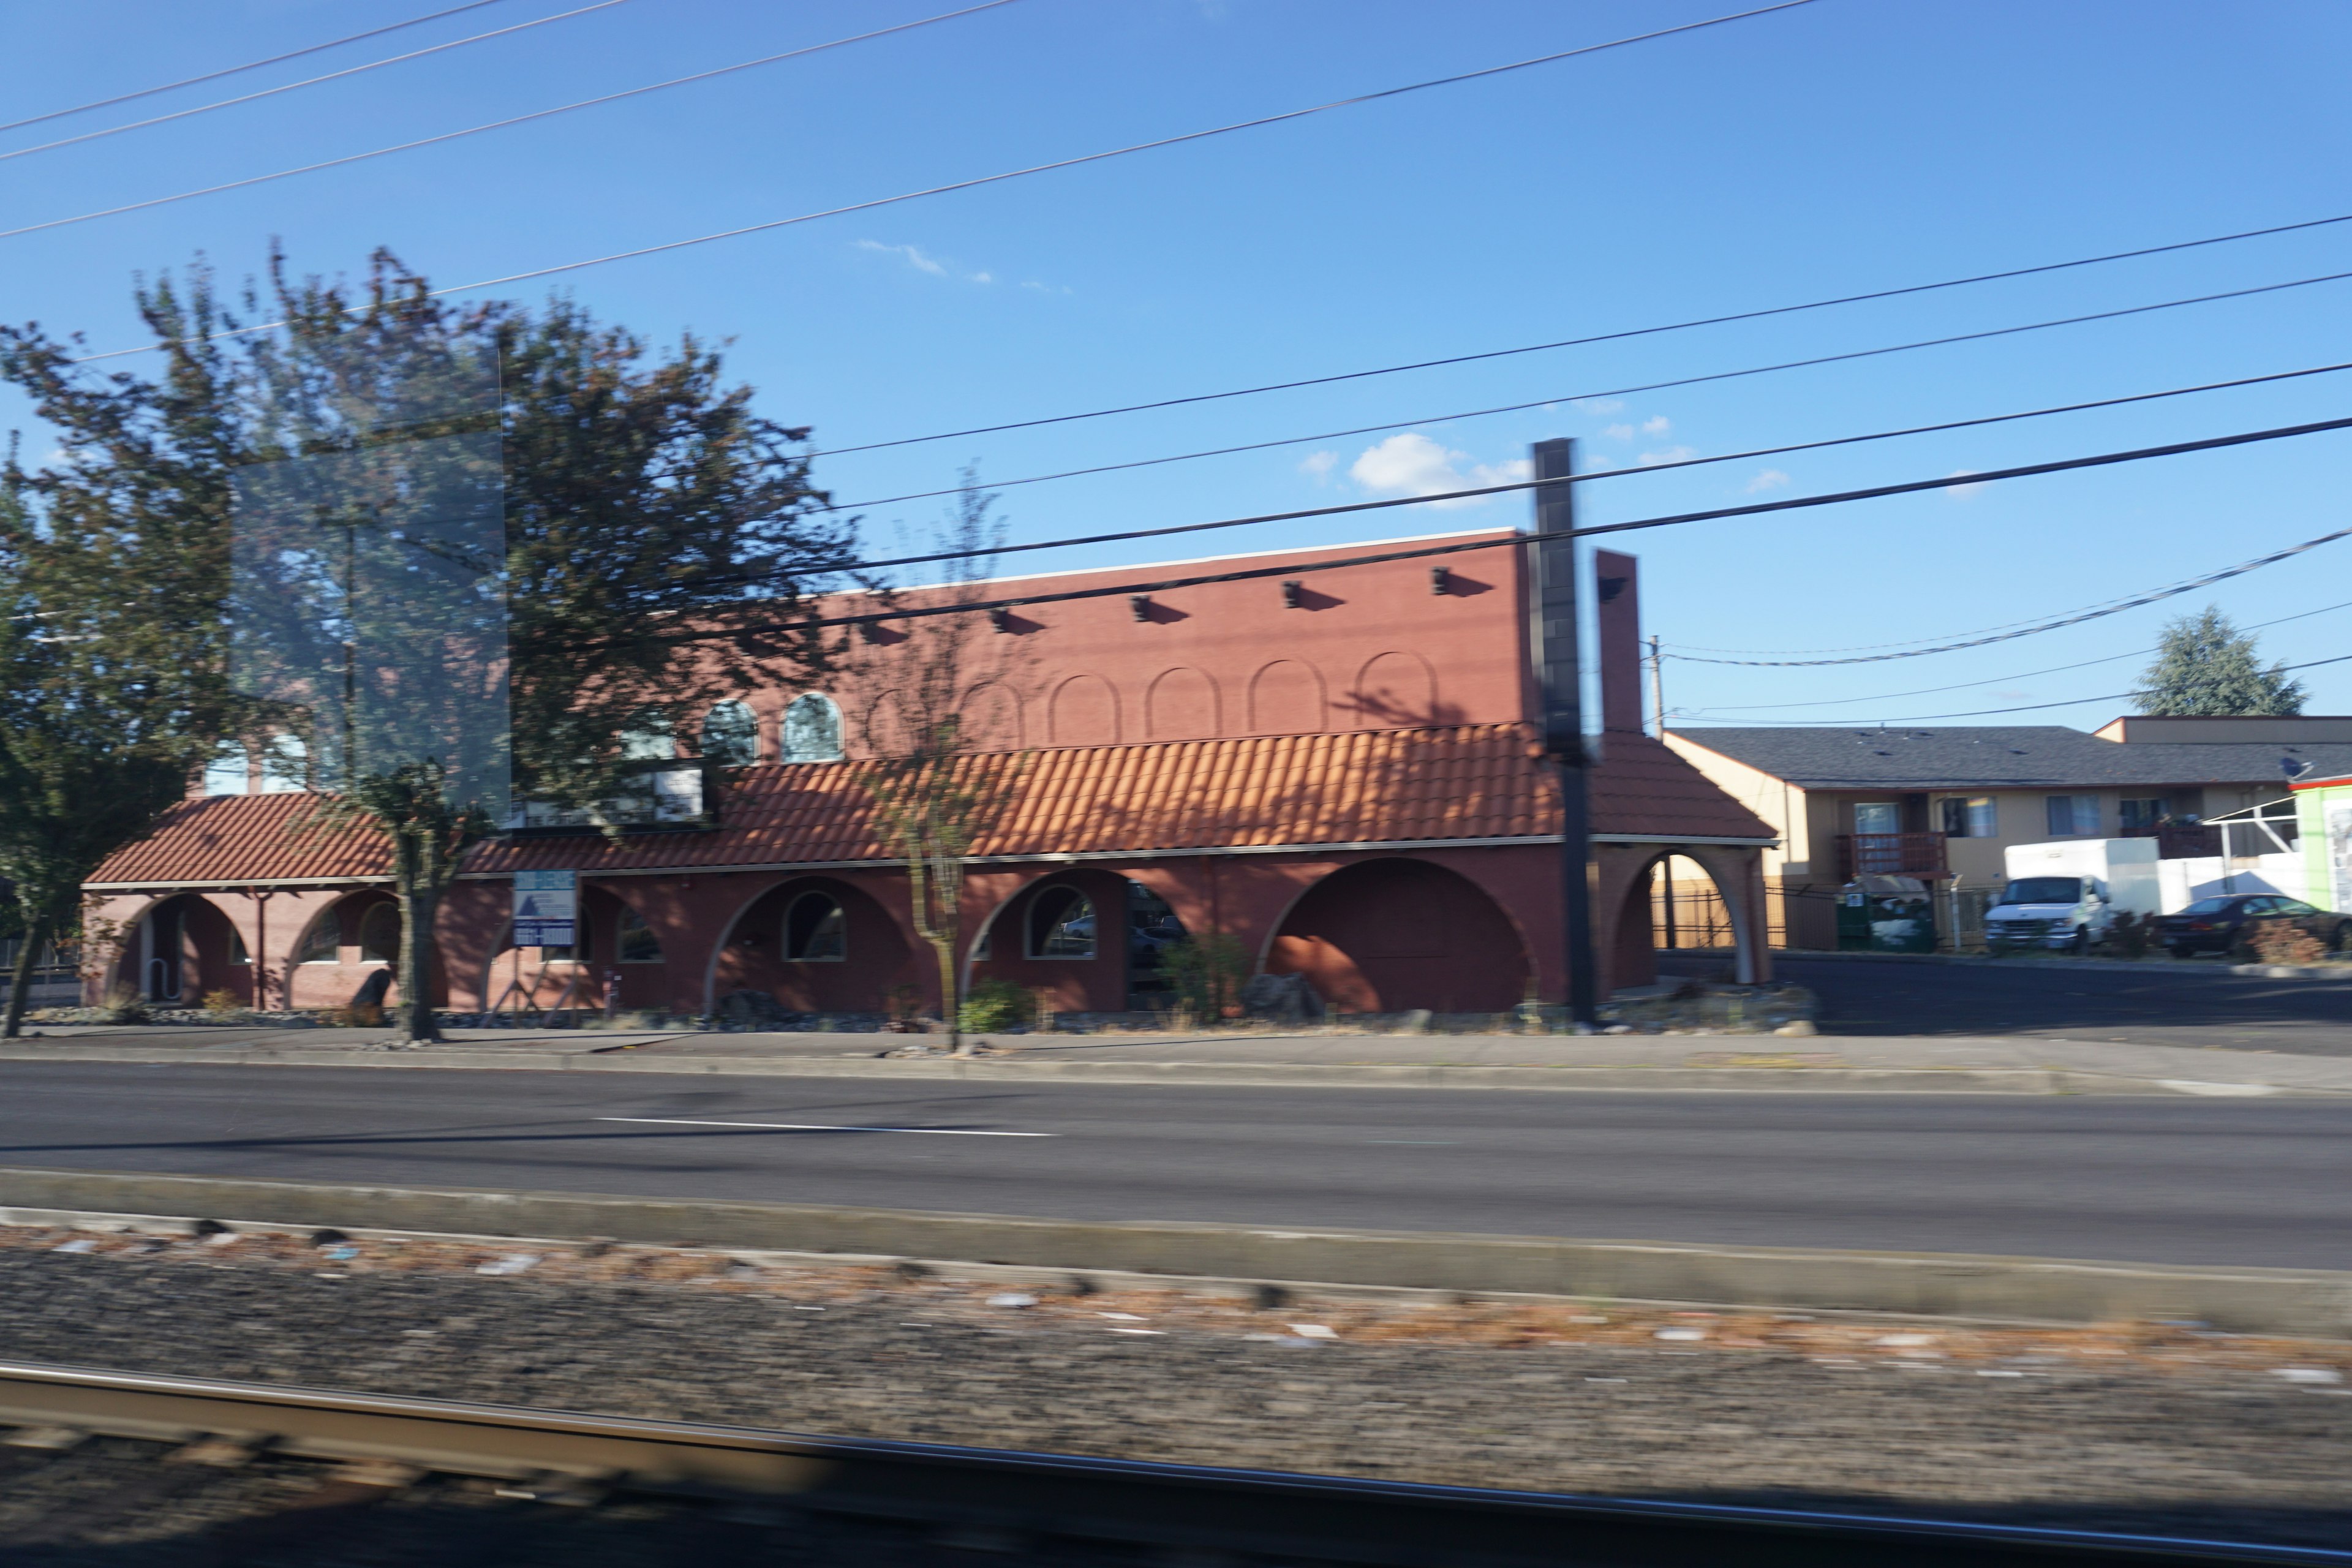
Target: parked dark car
pixel 2228 925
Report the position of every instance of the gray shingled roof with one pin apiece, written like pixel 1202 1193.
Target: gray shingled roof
pixel 1990 756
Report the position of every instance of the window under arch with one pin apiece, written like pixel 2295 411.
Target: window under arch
pixel 323 944
pixel 1061 924
pixel 812 729
pixel 380 934
pixel 817 929
pixel 730 735
pixel 638 944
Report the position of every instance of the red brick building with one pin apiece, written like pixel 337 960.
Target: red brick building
pixel 1337 775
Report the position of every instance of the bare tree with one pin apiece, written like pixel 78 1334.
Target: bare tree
pixel 939 787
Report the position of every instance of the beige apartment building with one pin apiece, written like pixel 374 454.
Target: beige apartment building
pixel 1942 805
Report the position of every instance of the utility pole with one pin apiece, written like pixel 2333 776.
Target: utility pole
pixel 1657 690
pixel 1559 688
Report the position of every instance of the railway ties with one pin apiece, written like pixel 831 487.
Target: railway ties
pixel 154 1471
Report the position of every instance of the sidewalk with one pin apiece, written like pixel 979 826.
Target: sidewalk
pixel 1982 1065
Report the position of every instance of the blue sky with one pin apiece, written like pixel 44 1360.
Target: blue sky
pixel 1841 146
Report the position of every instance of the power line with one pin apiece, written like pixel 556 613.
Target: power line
pixel 2072 618
pixel 1909 487
pixel 960 185
pixel 1125 534
pixel 2039 707
pixel 1682 381
pixel 492 125
pixel 1963 685
pixel 1598 338
pixel 312 81
pixel 250 65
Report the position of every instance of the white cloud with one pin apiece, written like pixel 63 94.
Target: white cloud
pixel 1414 465
pixel 1770 480
pixel 921 261
pixel 1317 466
pixel 1656 425
pixel 1046 288
pixel 1597 405
pixel 1671 454
pixel 1961 492
pixel 1619 432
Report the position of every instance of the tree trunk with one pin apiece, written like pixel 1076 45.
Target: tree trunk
pixel 418 883
pixel 37 935
pixel 949 1002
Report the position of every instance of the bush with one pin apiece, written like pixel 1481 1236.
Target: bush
pixel 1207 972
pixel 123 1004
pixel 2131 935
pixel 222 1006
pixel 358 1016
pixel 993 1004
pixel 2278 943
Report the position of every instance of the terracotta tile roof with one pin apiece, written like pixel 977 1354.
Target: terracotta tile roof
pixel 1471 781
pixel 245 838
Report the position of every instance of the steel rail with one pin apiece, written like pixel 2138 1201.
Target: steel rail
pixel 1322 1519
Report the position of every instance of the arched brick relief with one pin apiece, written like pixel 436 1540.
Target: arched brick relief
pixel 1085 712
pixel 1394 689
pixel 883 729
pixel 993 717
pixel 1181 706
pixel 1286 697
pixel 1393 934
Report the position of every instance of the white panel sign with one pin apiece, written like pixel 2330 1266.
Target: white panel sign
pixel 546 909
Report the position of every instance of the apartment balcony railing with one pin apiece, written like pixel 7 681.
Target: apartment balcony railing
pixel 2182 840
pixel 1891 855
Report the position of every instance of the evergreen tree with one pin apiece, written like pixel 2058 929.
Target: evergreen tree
pixel 2205 666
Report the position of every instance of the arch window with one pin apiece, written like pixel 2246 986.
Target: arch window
pixel 230 770
pixel 324 943
pixel 812 729
pixel 638 944
pixel 817 929
pixel 380 934
pixel 236 951
pixel 1061 924
pixel 731 736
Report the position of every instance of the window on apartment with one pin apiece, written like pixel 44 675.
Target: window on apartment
pixel 229 771
pixel 816 931
pixel 730 735
pixel 812 729
pixel 380 934
pixel 1878 816
pixel 2142 816
pixel 648 739
pixel 638 943
pixel 1970 816
pixel 2073 813
pixel 1061 924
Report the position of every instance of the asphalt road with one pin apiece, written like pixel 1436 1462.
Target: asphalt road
pixel 2148 1007
pixel 2222 1182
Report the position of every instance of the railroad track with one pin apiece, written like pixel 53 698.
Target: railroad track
pixel 246 1473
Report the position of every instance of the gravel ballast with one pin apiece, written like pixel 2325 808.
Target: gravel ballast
pixel 2143 1428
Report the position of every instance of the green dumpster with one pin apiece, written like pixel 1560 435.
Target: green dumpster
pixel 1886 914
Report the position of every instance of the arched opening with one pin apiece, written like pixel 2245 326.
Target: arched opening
pixel 380 934
pixel 1061 924
pixel 342 946
pixel 1688 907
pixel 183 950
pixel 1093 940
pixel 731 736
pixel 817 945
pixel 812 729
pixel 1396 933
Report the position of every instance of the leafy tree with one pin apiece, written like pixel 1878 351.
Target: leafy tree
pixel 934 796
pixel 635 497
pixel 2206 666
pixel 112 567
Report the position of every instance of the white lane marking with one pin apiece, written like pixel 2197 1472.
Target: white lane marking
pixel 821 1127
pixel 2192 1086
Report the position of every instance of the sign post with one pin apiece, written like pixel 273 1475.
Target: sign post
pixel 1559 691
pixel 546 909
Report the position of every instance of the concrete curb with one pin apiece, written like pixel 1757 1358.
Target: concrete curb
pixel 1565 1079
pixel 2313 1304
pixel 2085 965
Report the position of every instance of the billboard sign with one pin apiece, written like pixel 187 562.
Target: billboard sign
pixel 546 909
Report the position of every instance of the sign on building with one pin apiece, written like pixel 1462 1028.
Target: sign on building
pixel 546 909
